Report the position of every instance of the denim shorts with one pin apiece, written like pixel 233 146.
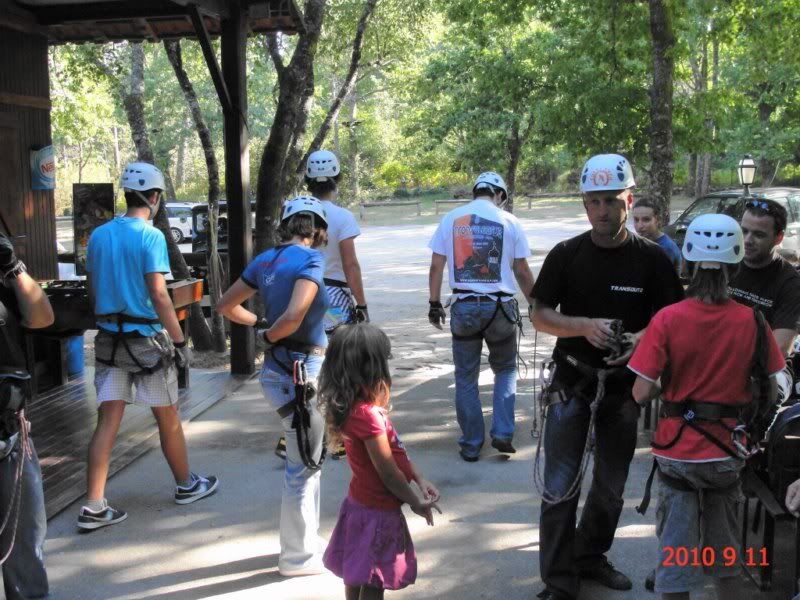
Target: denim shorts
pixel 695 526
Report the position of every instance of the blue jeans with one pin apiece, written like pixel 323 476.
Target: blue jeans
pixel 564 550
pixel 299 524
pixel 467 319
pixel 24 576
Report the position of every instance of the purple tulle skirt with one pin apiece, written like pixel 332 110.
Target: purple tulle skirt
pixel 372 547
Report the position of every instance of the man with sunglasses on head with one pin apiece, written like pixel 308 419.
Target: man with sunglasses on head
pixel 766 280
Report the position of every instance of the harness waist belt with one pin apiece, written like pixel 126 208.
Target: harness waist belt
pixel 123 318
pixel 478 295
pixel 309 349
pixel 693 409
pixel 334 283
pixel 287 409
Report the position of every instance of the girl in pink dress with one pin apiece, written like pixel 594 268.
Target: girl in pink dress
pixel 371 548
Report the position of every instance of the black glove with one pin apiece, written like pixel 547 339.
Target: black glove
pixel 361 314
pixel 262 327
pixel 183 354
pixel 436 314
pixel 8 259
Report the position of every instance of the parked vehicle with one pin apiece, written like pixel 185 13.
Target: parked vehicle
pixel 180 220
pixel 200 227
pixel 732 203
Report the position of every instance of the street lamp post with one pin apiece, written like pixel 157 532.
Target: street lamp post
pixel 747 173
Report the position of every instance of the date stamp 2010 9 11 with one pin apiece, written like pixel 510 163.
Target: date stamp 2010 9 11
pixel 681 556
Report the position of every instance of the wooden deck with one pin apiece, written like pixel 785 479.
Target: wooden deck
pixel 63 420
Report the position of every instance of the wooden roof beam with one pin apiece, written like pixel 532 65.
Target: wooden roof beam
pixel 147 29
pixel 211 58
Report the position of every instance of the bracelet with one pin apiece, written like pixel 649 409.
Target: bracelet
pixel 361 307
pixel 180 344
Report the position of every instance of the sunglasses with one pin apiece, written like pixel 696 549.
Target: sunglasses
pixel 760 204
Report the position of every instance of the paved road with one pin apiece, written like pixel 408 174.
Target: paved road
pixel 484 546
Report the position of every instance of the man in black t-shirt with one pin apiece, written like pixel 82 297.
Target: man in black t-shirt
pixel 765 280
pixel 605 274
pixel 22 302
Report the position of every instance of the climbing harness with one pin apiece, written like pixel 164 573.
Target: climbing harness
pixel 304 392
pixel 123 338
pixel 550 396
pixel 754 418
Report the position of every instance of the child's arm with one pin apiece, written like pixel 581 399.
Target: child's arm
pixel 380 453
pixel 428 489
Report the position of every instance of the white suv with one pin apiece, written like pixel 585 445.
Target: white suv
pixel 180 220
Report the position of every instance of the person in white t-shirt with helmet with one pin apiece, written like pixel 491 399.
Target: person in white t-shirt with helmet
pixel 348 304
pixel 485 250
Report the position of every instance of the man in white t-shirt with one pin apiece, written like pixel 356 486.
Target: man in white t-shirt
pixel 485 250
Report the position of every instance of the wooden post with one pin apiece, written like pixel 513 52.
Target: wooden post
pixel 419 208
pixel 362 211
pixel 237 172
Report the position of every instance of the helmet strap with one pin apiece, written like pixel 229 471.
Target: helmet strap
pixel 154 207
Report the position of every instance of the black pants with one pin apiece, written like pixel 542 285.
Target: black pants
pixel 563 549
pixel 24 577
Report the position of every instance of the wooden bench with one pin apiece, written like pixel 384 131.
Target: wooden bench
pixel 551 195
pixel 362 207
pixel 452 201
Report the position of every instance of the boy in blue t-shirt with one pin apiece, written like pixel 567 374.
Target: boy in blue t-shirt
pixel 648 225
pixel 138 345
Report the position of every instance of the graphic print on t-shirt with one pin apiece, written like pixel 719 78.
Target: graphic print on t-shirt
pixel 477 250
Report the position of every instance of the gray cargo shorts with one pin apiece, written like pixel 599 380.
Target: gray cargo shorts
pixel 696 526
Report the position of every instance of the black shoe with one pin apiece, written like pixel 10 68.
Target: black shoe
pixel 467 457
pixel 503 446
pixel 550 595
pixel 605 574
pixel 280 449
pixel 650 581
pixel 89 519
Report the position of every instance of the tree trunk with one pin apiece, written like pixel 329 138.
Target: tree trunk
pixel 514 151
pixel 347 85
pixel 133 103
pixel 117 165
pixel 661 150
pixel 691 175
pixel 766 166
pixel 214 278
pixel 295 89
pixel 180 163
pixel 170 191
pixel 354 158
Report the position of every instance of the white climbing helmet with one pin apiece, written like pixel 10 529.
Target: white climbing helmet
pixel 606 172
pixel 142 176
pixel 714 238
pixel 322 165
pixel 491 180
pixel 307 204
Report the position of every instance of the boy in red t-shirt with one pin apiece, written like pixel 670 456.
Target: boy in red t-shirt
pixel 706 343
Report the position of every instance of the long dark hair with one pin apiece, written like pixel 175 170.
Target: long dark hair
pixel 710 285
pixel 356 369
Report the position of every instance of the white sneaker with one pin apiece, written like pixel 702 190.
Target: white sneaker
pixel 313 568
